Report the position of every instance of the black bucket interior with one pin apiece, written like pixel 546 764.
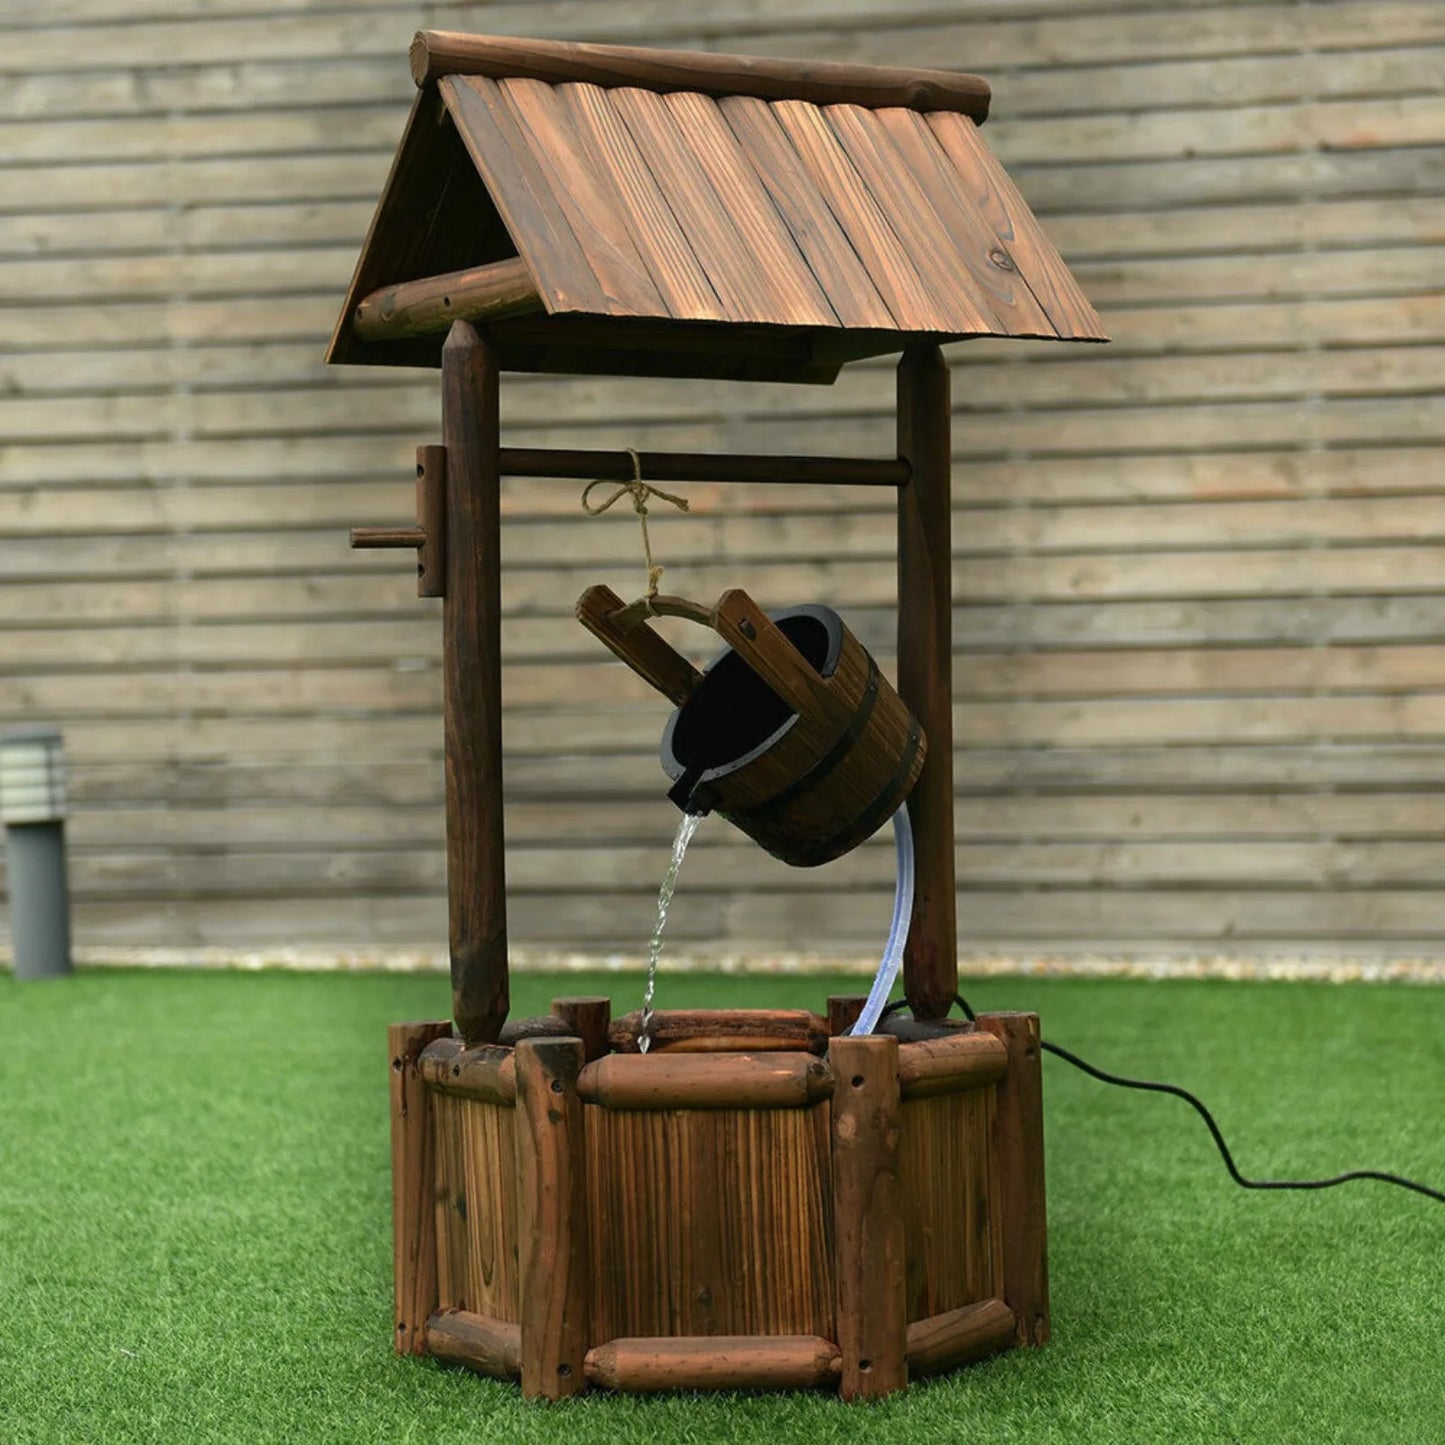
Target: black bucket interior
pixel 734 712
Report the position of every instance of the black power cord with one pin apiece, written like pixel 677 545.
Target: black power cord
pixel 1198 1106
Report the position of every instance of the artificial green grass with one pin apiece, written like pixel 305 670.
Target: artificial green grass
pixel 195 1229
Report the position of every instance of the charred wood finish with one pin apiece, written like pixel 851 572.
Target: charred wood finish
pixel 943 1342
pixel 414 1253
pixel 587 1018
pixel 925 672
pixel 488 1346
pixel 1019 1169
pixel 868 1257
pixel 435 53
pixel 419 308
pixel 706 1081
pixel 487 1071
pixel 966 1060
pixel 472 687
pixel 715 1362
pixel 552 1218
pixel 579 465
pixel 714 1031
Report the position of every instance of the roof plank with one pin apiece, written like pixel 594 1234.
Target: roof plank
pixel 877 245
pixel 997 199
pixel 991 274
pixel 906 204
pixel 742 285
pixel 843 277
pixel 676 271
pixel 734 176
pixel 539 229
pixel 592 208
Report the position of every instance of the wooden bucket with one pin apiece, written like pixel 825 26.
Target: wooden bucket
pixel 792 733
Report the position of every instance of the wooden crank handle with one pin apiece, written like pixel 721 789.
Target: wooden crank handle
pixel 647 654
pixel 762 644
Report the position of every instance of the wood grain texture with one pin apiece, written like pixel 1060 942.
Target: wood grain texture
pixel 436 53
pixel 722 1030
pixel 869 1242
pixel 945 1341
pixel 925 673
pixel 476 1206
pixel 530 208
pixel 591 206
pixel 710 1222
pixel 996 197
pixel 948 1180
pixel 488 1346
pixel 485 1071
pixel 587 1017
pixel 472 698
pixel 431 517
pixel 949 1065
pixel 413 1222
pixel 1018 1154
pixel 555 1259
pixel 416 308
pixel 714 1362
pixel 675 1080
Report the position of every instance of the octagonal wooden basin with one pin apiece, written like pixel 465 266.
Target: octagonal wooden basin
pixel 755 1202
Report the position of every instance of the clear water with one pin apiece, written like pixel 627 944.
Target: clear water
pixel 685 830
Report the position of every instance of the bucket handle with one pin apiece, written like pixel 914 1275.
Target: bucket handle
pixel 736 618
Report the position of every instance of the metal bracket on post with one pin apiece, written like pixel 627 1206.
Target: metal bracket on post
pixel 429 535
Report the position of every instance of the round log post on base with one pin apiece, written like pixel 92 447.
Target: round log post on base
pixel 925 671
pixel 472 686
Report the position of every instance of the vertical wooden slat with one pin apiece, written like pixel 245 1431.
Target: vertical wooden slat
pixel 845 281
pixel 1019 1161
pixel 472 687
pixel 996 197
pixel 675 268
pixel 899 196
pixel 552 1218
pixel 533 218
pixel 984 264
pixel 588 1017
pixel 736 181
pixel 868 229
pixel 867 1216
pixel 413 1168
pixel 925 672
pixel 592 207
pixel 741 283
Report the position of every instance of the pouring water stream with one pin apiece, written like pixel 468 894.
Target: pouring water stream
pixel 685 829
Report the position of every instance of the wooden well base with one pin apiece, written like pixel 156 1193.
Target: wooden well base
pixel 812 1211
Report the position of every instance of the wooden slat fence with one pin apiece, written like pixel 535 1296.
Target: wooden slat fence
pixel 1200 575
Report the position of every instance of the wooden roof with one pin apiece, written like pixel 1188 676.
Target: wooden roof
pixel 674 223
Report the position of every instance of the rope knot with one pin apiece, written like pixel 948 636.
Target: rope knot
pixel 639 491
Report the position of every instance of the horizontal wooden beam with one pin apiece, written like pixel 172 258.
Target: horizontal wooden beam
pixel 944 1341
pixel 485 1072
pixel 430 305
pixel 583 465
pixel 491 1347
pixel 435 53
pixel 715 1031
pixel 706 1081
pixel 950 1065
pixel 714 1362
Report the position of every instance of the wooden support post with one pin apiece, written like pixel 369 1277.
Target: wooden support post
pixel 413 1218
pixel 1018 1141
pixel 552 1218
pixel 588 1018
pixel 472 687
pixel 843 1011
pixel 925 671
pixel 868 1217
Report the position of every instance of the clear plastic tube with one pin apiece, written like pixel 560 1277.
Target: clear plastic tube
pixel 892 960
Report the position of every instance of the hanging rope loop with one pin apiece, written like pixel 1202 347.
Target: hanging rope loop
pixel 639 491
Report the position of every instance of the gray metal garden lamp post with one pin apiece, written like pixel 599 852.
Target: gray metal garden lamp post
pixel 32 807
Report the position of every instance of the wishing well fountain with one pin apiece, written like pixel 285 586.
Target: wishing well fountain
pixel 761 1198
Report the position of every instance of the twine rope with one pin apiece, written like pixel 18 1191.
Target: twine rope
pixel 639 491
